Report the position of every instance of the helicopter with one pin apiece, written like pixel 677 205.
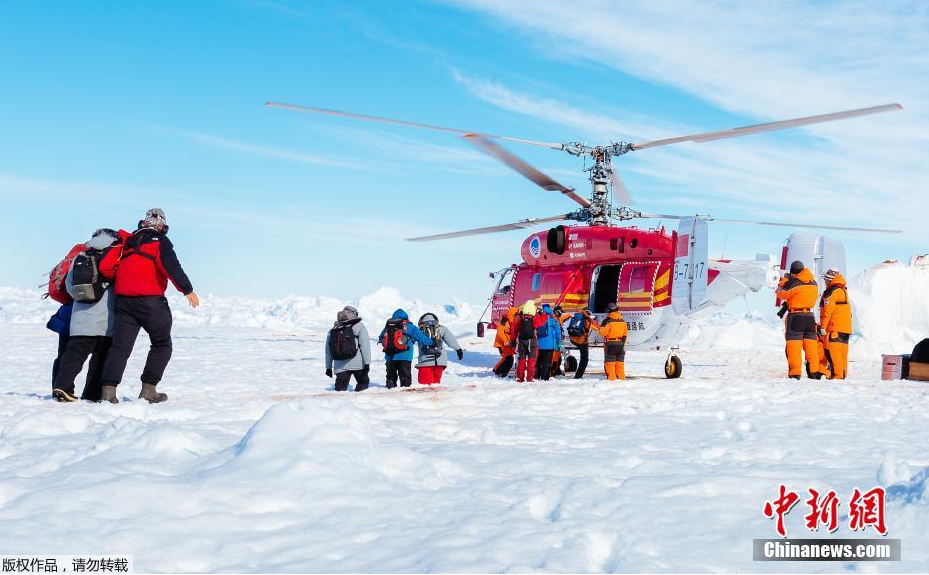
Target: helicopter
pixel 662 281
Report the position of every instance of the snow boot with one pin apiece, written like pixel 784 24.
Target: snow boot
pixel 150 395
pixel 109 394
pixel 63 396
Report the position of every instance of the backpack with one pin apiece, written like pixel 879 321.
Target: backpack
pixel 543 329
pixel 395 339
pixel 56 277
pixel 433 331
pixel 577 327
pixel 526 327
pixel 86 281
pixel 342 342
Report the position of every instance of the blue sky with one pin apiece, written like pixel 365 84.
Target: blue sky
pixel 109 108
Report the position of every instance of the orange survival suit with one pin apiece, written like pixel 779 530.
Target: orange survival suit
pixel 614 331
pixel 504 343
pixel 835 322
pixel 799 292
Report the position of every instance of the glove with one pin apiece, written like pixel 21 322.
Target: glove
pixel 460 353
pixel 328 373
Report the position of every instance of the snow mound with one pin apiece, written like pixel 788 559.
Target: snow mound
pixel 890 306
pixel 307 313
pixel 913 490
pixel 727 331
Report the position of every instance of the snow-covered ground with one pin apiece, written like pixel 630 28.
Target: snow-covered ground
pixel 254 466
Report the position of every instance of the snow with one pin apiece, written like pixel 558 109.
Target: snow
pixel 253 465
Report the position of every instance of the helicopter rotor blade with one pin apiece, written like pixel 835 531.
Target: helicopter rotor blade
pixel 620 191
pixel 527 223
pixel 768 127
pixel 775 224
pixel 527 170
pixel 308 109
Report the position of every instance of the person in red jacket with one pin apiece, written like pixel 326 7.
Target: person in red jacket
pixel 140 270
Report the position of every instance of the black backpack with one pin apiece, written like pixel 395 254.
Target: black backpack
pixel 342 342
pixel 433 330
pixel 577 327
pixel 87 283
pixel 526 327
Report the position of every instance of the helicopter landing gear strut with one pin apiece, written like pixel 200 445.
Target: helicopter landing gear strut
pixel 673 366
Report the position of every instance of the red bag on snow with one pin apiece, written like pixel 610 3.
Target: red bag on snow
pixel 56 277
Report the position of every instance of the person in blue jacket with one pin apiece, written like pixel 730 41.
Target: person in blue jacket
pixel 397 339
pixel 549 334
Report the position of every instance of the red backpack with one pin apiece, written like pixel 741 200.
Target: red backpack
pixel 56 277
pixel 395 339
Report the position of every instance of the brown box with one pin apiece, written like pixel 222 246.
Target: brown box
pixel 918 371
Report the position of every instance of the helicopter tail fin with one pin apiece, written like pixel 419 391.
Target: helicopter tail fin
pixel 688 289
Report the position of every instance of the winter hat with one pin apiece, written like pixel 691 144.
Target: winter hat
pixel 529 308
pixel 350 311
pixel 830 274
pixel 342 317
pixel 106 232
pixel 154 218
pixel 796 267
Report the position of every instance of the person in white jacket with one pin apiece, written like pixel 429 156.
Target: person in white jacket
pixel 348 351
pixel 91 333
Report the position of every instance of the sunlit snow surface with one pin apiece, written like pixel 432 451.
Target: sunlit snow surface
pixel 254 466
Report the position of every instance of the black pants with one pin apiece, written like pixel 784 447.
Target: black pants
pixel 361 379
pixel 584 352
pixel 62 346
pixel 152 314
pixel 801 325
pixel 614 351
pixel 72 361
pixel 543 365
pixel 504 366
pixel 398 368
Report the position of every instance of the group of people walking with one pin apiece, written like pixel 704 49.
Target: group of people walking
pixel 824 343
pixel 110 288
pixel 348 350
pixel 533 338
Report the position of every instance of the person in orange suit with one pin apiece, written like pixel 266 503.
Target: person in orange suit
pixel 799 292
pixel 614 331
pixel 504 344
pixel 835 324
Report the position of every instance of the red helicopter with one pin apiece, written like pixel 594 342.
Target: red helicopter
pixel 662 281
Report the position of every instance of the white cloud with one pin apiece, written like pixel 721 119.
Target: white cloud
pixel 765 61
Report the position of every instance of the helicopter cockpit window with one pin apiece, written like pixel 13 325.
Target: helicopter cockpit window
pixel 536 281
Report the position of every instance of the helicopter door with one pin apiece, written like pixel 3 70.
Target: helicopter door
pixel 688 288
pixel 636 287
pixel 605 287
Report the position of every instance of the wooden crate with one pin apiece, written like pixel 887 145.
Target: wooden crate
pixel 918 371
pixel 894 366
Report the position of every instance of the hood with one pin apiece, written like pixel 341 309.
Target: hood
pixel 805 276
pixel 547 309
pixel 529 308
pixel 838 280
pixel 615 315
pixel 429 316
pixel 100 242
pixel 400 314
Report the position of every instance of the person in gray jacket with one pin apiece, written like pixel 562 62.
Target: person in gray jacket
pixel 348 351
pixel 91 332
pixel 433 358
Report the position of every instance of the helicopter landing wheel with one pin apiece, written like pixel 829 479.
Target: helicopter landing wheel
pixel 570 364
pixel 673 367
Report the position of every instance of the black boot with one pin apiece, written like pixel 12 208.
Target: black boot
pixel 794 376
pixel 109 394
pixel 150 395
